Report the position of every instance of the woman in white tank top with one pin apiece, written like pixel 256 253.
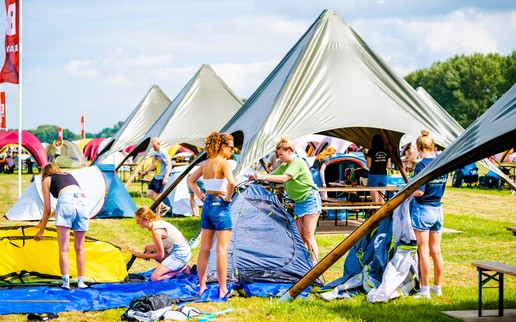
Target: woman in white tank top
pixel 216 212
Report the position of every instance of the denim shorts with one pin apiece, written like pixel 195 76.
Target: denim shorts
pixel 72 211
pixel 216 213
pixel 377 180
pixel 426 218
pixel 310 206
pixel 156 185
pixel 178 257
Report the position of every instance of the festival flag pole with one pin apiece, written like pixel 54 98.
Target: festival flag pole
pixel 19 23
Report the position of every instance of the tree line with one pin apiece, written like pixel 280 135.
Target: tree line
pixel 465 86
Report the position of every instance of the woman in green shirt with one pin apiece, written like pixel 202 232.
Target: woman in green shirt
pixel 295 176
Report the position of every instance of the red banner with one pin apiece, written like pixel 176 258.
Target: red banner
pixel 3 112
pixel 9 73
pixel 60 134
pixel 82 127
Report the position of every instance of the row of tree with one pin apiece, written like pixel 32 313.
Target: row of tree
pixel 49 133
pixel 465 86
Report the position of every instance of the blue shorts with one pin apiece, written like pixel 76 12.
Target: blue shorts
pixel 426 218
pixel 377 180
pixel 310 206
pixel 72 211
pixel 216 213
pixel 178 257
pixel 156 185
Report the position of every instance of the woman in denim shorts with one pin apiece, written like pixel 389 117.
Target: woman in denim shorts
pixel 299 185
pixel 170 248
pixel 216 211
pixel 71 214
pixel 427 219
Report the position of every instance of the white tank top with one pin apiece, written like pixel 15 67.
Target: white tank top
pixel 216 184
pixel 174 236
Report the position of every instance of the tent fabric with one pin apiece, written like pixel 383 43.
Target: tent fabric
pixel 383 264
pixel 92 148
pixel 21 253
pixel 265 244
pixel 71 156
pixel 330 83
pixel 141 119
pixel 29 141
pixel 115 295
pixel 105 193
pixel 203 106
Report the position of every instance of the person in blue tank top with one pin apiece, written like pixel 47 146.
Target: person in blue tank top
pixel 427 219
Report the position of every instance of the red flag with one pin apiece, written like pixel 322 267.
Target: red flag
pixel 60 134
pixel 9 73
pixel 3 112
pixel 82 127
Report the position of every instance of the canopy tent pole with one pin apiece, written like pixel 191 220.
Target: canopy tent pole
pixel 183 174
pixel 395 156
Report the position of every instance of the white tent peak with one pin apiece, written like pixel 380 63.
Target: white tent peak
pixel 331 83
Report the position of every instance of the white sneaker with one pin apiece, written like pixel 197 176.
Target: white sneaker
pixel 436 291
pixel 81 284
pixel 194 243
pixel 422 295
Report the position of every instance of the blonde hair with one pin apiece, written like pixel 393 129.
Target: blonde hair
pixel 285 144
pixel 145 212
pixel 48 169
pixel 156 139
pixel 425 141
pixel 214 142
pixel 327 152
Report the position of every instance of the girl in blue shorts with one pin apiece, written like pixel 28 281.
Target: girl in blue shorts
pixel 427 219
pixel 216 212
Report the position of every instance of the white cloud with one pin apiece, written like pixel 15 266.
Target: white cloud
pixel 81 68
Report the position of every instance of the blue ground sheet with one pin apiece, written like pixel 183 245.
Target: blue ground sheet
pixel 46 299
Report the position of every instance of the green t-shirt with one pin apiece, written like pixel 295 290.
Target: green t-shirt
pixel 298 188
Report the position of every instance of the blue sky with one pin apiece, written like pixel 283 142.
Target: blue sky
pixel 99 58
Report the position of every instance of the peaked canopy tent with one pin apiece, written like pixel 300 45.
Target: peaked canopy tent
pixel 203 106
pixel 106 195
pixel 491 133
pixel 331 83
pixel 141 119
pixel 29 141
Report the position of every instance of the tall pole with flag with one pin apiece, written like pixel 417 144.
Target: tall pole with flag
pixel 83 128
pixel 12 70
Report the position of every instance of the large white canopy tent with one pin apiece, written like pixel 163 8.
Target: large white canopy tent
pixel 141 119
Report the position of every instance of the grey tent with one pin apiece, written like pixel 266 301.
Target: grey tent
pixel 141 119
pixel 204 105
pixel 491 133
pixel 332 83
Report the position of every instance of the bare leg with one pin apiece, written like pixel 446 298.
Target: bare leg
pixel 63 234
pixel 162 273
pixel 202 260
pixel 153 195
pixel 193 205
pixel 306 226
pixel 79 252
pixel 223 239
pixel 437 257
pixel 423 256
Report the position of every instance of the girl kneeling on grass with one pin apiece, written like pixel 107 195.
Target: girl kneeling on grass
pixel 170 247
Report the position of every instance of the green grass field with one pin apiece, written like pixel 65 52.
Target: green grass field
pixel 481 216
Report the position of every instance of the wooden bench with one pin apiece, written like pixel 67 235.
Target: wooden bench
pixel 513 229
pixel 336 204
pixel 488 271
